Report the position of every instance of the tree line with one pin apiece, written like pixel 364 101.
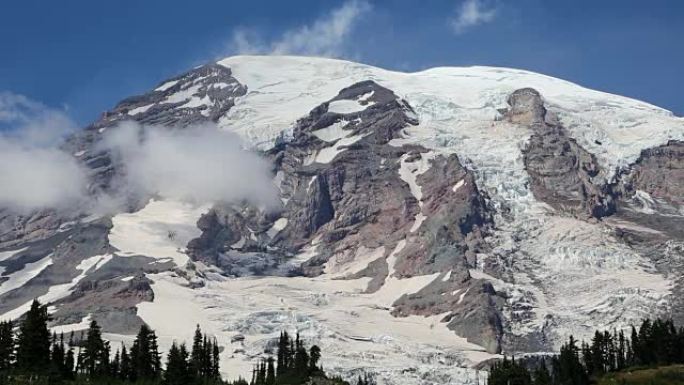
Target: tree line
pixel 30 354
pixel 654 343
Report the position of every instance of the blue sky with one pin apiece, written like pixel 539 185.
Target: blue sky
pixel 84 55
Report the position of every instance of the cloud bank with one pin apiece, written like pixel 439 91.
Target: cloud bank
pixel 326 36
pixel 469 14
pixel 196 164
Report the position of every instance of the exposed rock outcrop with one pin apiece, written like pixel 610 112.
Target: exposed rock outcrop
pixel 562 173
pixel 356 205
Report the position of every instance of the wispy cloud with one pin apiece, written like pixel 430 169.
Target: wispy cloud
pixel 326 36
pixel 34 173
pixel 471 13
pixel 198 164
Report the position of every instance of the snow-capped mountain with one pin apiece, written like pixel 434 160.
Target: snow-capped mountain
pixel 429 221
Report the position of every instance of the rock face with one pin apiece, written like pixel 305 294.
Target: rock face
pixel 17 229
pixel 372 208
pixel 651 215
pixel 562 173
pixel 659 171
pixel 197 97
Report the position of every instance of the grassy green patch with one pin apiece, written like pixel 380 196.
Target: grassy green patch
pixel 666 375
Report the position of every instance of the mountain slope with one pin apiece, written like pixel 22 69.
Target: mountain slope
pixel 429 221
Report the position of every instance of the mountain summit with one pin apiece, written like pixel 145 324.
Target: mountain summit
pixel 425 222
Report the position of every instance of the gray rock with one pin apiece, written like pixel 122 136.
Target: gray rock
pixel 562 173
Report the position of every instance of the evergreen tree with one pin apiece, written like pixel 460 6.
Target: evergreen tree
pixel 33 342
pixel 144 356
pixel 125 369
pixel 69 359
pixel 509 372
pixel 301 360
pixel 177 369
pixel 115 365
pixel 155 356
pixel 57 356
pixel 270 372
pixel 568 370
pixel 633 358
pixel 6 345
pixel 197 353
pixel 216 358
pixel 621 351
pixel 541 375
pixel 314 358
pixel 283 354
pixel 95 355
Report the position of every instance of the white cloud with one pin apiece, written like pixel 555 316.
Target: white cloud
pixel 196 164
pixel 326 36
pixel 471 13
pixel 31 122
pixel 34 173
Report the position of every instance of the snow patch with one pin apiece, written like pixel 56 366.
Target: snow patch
pixel 408 172
pixel 333 132
pixel 55 292
pixel 167 85
pixel 277 227
pixel 346 106
pixel 140 110
pixel 160 230
pixel 4 255
pixel 19 278
pixel 328 154
pixel 350 262
pixel 83 325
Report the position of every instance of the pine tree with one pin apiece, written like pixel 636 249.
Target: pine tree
pixel 69 359
pixel 155 356
pixel 301 360
pixel 215 364
pixel 115 365
pixel 509 372
pixel 621 351
pixel 314 358
pixel 197 353
pixel 6 345
pixel 270 372
pixel 634 357
pixel 177 370
pixel 283 348
pixel 541 375
pixel 597 354
pixel 568 370
pixel 57 356
pixel 125 370
pixel 145 356
pixel 33 342
pixel 95 356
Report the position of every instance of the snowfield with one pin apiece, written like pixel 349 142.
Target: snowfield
pixel 282 89
pixel 160 230
pixel 351 327
pixel 552 260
